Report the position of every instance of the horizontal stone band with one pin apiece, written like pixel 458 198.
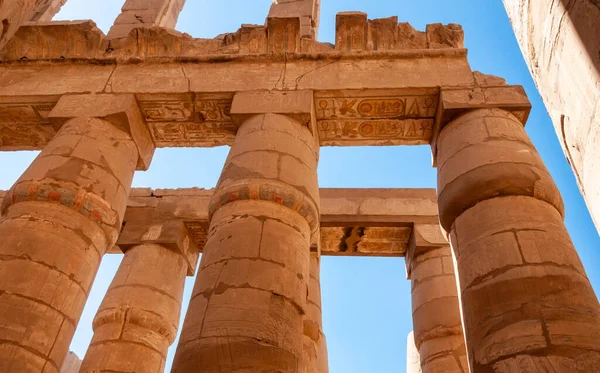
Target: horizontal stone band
pixel 270 191
pixel 87 204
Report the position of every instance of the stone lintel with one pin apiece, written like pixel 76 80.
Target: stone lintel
pixel 121 110
pixel 454 102
pixel 295 104
pixel 355 222
pixel 353 103
pixel 172 234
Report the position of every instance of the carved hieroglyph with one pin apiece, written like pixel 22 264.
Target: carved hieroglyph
pixel 189 121
pixel 365 241
pixel 378 118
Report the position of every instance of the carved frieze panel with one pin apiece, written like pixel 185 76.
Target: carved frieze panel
pixel 201 121
pixel 381 118
pixel 198 232
pixel 25 125
pixel 365 241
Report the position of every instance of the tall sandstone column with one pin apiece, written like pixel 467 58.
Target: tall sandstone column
pixel 413 358
pixel 315 344
pixel 57 221
pixel 527 304
pixel 139 316
pixel 248 305
pixel 438 332
pixel 561 44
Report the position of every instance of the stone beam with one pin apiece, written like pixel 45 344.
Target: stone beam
pixel 354 222
pixel 145 13
pixel 357 98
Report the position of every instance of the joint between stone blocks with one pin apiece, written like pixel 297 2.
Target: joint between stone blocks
pixel 171 234
pixel 122 110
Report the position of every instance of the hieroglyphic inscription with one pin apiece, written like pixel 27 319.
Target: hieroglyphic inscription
pixel 25 125
pixel 376 132
pixel 376 108
pixel 203 122
pixel 198 232
pixel 365 241
pixel 383 120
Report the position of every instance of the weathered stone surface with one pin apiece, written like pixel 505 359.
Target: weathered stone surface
pixel 57 221
pixel 139 316
pixel 559 40
pixel 251 293
pixel 71 364
pixel 13 14
pixel 120 110
pixel 45 9
pixel 524 293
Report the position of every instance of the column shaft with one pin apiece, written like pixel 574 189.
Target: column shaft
pixel 437 323
pixel 413 358
pixel 315 344
pixel 249 301
pixel 139 316
pixel 527 304
pixel 58 220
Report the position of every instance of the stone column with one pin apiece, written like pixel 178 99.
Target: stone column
pixel 560 43
pixel 57 221
pixel 413 359
pixel 527 304
pixel 438 334
pixel 139 316
pixel 315 344
pixel 247 308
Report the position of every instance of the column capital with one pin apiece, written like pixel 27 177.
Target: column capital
pixel 487 93
pixel 122 110
pixel 424 237
pixel 172 234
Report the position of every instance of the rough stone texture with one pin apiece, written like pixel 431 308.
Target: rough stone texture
pixel 305 11
pixel 315 344
pixel 527 304
pixel 145 13
pixel 45 10
pixel 438 336
pixel 413 359
pixel 13 13
pixel 139 316
pixel 247 307
pixel 559 40
pixel 57 221
pixel 71 364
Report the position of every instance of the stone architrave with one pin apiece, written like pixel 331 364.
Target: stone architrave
pixel 561 44
pixel 139 316
pixel 526 301
pixel 57 221
pixel 248 304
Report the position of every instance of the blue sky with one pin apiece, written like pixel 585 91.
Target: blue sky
pixel 366 301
